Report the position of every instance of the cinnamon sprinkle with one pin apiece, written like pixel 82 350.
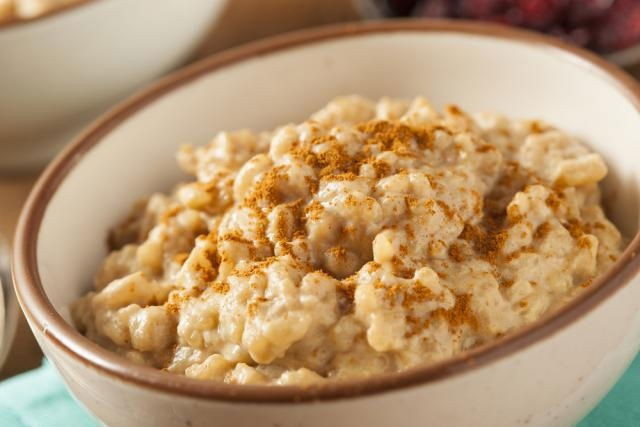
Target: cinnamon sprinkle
pixel 486 242
pixel 460 314
pixel 542 231
pixel 180 257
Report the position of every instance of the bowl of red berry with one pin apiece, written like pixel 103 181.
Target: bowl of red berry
pixel 608 27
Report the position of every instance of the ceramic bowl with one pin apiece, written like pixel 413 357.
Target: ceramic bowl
pixel 61 70
pixel 3 311
pixel 9 310
pixel 550 373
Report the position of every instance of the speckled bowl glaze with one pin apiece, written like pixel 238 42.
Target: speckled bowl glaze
pixel 550 373
pixel 61 70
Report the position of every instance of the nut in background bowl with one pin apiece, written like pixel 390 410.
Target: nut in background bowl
pixel 551 372
pixel 62 69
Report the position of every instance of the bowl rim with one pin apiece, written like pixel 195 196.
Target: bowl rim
pixel 55 12
pixel 8 304
pixel 43 317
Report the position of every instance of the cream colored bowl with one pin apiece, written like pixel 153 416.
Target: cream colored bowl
pixel 550 373
pixel 59 71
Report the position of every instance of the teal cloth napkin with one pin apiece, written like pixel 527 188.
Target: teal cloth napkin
pixel 38 398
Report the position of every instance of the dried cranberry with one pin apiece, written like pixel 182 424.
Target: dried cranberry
pixel 579 36
pixel 620 28
pixel 581 12
pixel 602 25
pixel 482 9
pixel 402 7
pixel 438 9
pixel 514 16
pixel 541 14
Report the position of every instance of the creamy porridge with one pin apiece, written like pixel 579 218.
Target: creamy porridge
pixel 371 238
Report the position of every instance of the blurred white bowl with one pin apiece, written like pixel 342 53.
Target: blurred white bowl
pixel 59 71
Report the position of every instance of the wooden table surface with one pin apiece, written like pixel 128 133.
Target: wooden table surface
pixel 242 21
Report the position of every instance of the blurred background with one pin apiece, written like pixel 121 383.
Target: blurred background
pixel 63 62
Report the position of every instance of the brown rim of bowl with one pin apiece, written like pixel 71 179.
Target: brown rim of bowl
pixel 43 316
pixel 17 23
